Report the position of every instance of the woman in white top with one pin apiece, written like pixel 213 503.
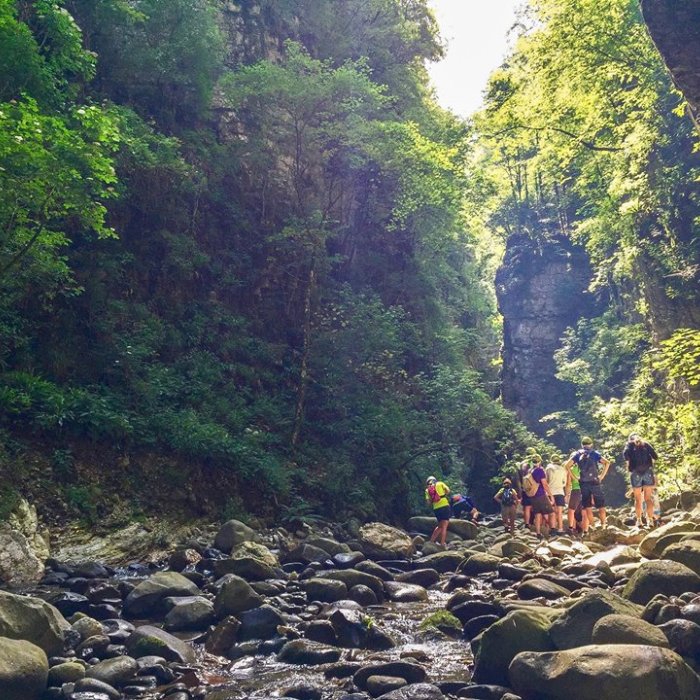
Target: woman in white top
pixel 556 476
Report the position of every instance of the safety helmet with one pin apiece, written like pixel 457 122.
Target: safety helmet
pixel 430 480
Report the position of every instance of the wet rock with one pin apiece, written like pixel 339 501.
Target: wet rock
pixel 541 588
pixel 305 554
pixel 67 672
pixel 255 551
pixel 148 595
pixel 222 637
pixel 468 609
pixel 606 672
pixel 115 672
pixel 479 563
pixel 512 572
pixel 231 534
pixel 476 625
pixel 405 592
pixel 32 620
pixel 152 641
pixel 351 578
pixel 514 548
pixel 180 559
pixel 624 629
pixel 308 653
pixel 442 562
pixel 375 569
pixel 325 590
pixel 381 541
pixel 420 577
pixel 249 568
pixel 668 577
pixel 92 685
pixel 575 627
pixel 497 646
pixel 683 637
pixel 191 613
pixel 691 612
pixel 321 631
pixel 411 673
pixel 649 546
pixel 259 623
pixel 303 692
pixel 93 646
pixel 415 691
pixel 483 692
pixel 464 528
pixel 348 560
pixel 331 546
pixel 235 596
pixel 69 603
pixel 24 670
pixel 362 595
pixel 378 685
pixel 686 553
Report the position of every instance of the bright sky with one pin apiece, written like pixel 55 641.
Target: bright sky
pixel 476 32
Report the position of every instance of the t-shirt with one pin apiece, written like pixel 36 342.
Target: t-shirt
pixel 464 505
pixel 640 457
pixel 442 490
pixel 556 476
pixel 575 485
pixel 538 474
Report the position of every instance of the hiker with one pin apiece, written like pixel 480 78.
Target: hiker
pixel 639 457
pixel 436 493
pixel 520 475
pixel 590 478
pixel 572 493
pixel 556 478
pixel 463 504
pixel 507 498
pixel 542 501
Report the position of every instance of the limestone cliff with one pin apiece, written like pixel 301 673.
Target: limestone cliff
pixel 541 288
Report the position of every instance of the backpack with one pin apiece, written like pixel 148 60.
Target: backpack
pixel 530 486
pixel 433 494
pixel 508 497
pixel 588 468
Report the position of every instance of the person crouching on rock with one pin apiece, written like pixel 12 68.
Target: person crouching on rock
pixel 543 500
pixel 464 507
pixel 507 498
pixel 436 493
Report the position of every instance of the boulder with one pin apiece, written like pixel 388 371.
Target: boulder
pixel 67 672
pixel 180 559
pixel 683 637
pixel 328 545
pixel 499 644
pixel 325 590
pixel 381 541
pixel 352 578
pixel 667 577
pixel 235 595
pixel 464 528
pixel 686 552
pixel 379 685
pixel 307 653
pixel 32 620
pixel 649 546
pixel 410 672
pixel 606 672
pixel 223 636
pixel 231 534
pixel 24 670
pixel 259 623
pixel 575 627
pixel 19 564
pixel 415 691
pixel 479 563
pixel 192 613
pixel 149 594
pixel 152 641
pixel 421 577
pixel 117 671
pixel 625 629
pixel 305 554
pixel 541 588
pixel 405 592
pixel 256 551
pixel 442 562
pixel 249 568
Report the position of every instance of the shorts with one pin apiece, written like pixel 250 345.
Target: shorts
pixel 508 512
pixel 541 504
pixel 559 500
pixel 442 513
pixel 639 479
pixel 575 499
pixel 525 499
pixel 592 494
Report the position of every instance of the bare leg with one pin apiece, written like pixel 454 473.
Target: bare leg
pixel 638 503
pixel 538 522
pixel 436 533
pixel 649 499
pixel 587 518
pixel 602 516
pixel 527 515
pixel 443 531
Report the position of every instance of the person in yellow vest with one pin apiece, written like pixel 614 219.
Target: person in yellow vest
pixel 436 493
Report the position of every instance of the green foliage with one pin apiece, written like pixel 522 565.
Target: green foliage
pixel 9 500
pixel 679 356
pixel 439 619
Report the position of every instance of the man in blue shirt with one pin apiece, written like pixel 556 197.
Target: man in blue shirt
pixel 464 507
pixel 588 461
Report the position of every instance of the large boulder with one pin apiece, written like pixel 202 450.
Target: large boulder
pixel 235 596
pixel 464 528
pixel 652 545
pixel 381 541
pixel 191 613
pixel 325 590
pixel 249 568
pixel 256 551
pixel 117 671
pixel 19 564
pixel 653 577
pixel 606 672
pixel 231 534
pixel 479 563
pixel 575 627
pixel 33 620
pixel 259 623
pixel 24 670
pixel 501 642
pixel 149 594
pixel 153 641
pixel 442 562
pixel 307 653
pixel 328 545
pixel 686 552
pixel 625 629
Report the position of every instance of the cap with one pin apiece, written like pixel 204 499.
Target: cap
pixel 586 441
pixel 555 459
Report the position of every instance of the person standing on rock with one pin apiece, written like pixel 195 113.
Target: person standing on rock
pixel 572 493
pixel 556 477
pixel 436 493
pixel 543 500
pixel 507 498
pixel 522 472
pixel 639 457
pixel 590 479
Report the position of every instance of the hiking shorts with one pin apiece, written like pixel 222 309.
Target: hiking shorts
pixel 525 499
pixel 639 479
pixel 442 513
pixel 592 494
pixel 559 500
pixel 541 504
pixel 575 499
pixel 508 512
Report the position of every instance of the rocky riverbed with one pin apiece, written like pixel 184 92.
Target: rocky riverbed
pixel 327 614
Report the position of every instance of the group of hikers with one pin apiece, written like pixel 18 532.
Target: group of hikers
pixel 545 491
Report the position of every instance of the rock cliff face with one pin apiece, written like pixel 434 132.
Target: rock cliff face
pixel 541 289
pixel 674 26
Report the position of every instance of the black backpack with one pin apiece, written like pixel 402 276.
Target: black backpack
pixel 508 496
pixel 588 468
